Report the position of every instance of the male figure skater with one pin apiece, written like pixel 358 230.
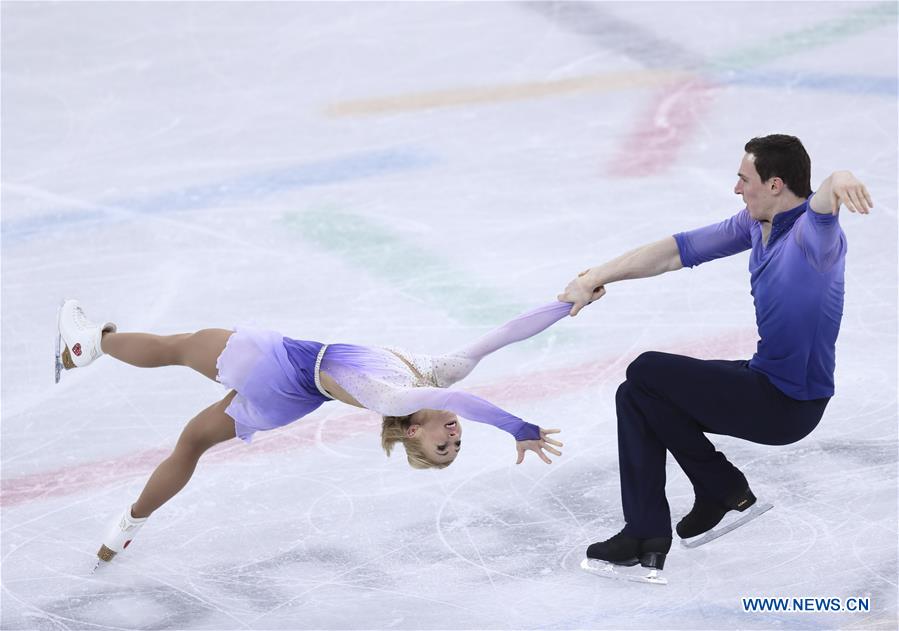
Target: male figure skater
pixel 669 402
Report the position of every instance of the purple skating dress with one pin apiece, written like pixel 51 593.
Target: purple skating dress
pixel 277 378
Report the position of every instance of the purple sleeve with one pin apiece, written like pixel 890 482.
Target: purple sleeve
pixel 715 241
pixel 521 328
pixel 448 369
pixel 820 238
pixel 466 405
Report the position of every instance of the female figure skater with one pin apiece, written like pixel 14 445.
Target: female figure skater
pixel 275 380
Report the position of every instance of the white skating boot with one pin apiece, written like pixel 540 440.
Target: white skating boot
pixel 78 339
pixel 120 535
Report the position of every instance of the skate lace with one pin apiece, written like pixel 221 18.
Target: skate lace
pixel 80 319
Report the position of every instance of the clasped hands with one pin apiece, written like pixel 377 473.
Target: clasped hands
pixel 582 291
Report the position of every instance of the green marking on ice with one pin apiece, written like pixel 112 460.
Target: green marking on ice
pixel 392 257
pixel 821 34
pixel 389 256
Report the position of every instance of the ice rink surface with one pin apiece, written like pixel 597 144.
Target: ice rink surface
pixel 412 175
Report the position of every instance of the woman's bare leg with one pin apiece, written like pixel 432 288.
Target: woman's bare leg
pixel 198 350
pixel 208 428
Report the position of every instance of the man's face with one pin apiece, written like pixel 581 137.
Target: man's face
pixel 757 195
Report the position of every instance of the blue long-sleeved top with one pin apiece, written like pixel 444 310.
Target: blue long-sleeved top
pixel 797 287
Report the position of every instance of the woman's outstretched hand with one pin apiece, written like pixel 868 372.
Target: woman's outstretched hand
pixel 544 442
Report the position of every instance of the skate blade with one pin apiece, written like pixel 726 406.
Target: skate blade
pixel 57 371
pixel 623 573
pixel 742 519
pixel 64 359
pixel 104 556
pixel 58 366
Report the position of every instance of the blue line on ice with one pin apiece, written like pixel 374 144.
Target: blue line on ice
pixel 254 185
pixel 852 84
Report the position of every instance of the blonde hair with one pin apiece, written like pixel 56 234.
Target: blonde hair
pixel 393 431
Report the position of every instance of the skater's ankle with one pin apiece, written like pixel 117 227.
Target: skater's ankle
pixel 135 514
pixel 104 335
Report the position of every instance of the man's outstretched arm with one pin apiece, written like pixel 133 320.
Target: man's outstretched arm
pixel 821 238
pixel 648 260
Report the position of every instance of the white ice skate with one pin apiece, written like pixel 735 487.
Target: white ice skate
pixel 119 535
pixel 77 339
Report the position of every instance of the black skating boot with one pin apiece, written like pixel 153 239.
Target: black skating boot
pixel 620 550
pixel 624 550
pixel 706 514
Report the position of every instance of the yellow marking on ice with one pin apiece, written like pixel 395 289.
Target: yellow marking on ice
pixel 817 35
pixel 501 93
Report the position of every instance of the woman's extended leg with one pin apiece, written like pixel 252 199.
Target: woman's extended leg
pixel 198 350
pixel 208 428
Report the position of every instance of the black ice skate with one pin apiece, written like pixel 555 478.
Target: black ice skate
pixel 610 558
pixel 699 525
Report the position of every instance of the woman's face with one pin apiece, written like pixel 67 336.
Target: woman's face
pixel 439 433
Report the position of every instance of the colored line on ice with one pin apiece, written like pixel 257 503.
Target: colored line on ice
pixel 817 35
pixel 662 129
pixel 612 33
pixel 250 186
pixel 657 136
pixel 725 69
pixel 852 84
pixel 390 256
pixel 502 93
pixel 535 386
pixel 638 79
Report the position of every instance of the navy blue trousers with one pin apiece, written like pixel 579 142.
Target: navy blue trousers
pixel 669 403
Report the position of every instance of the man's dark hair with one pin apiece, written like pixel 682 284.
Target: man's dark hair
pixel 779 155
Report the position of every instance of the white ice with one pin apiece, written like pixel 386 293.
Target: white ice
pixel 411 174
